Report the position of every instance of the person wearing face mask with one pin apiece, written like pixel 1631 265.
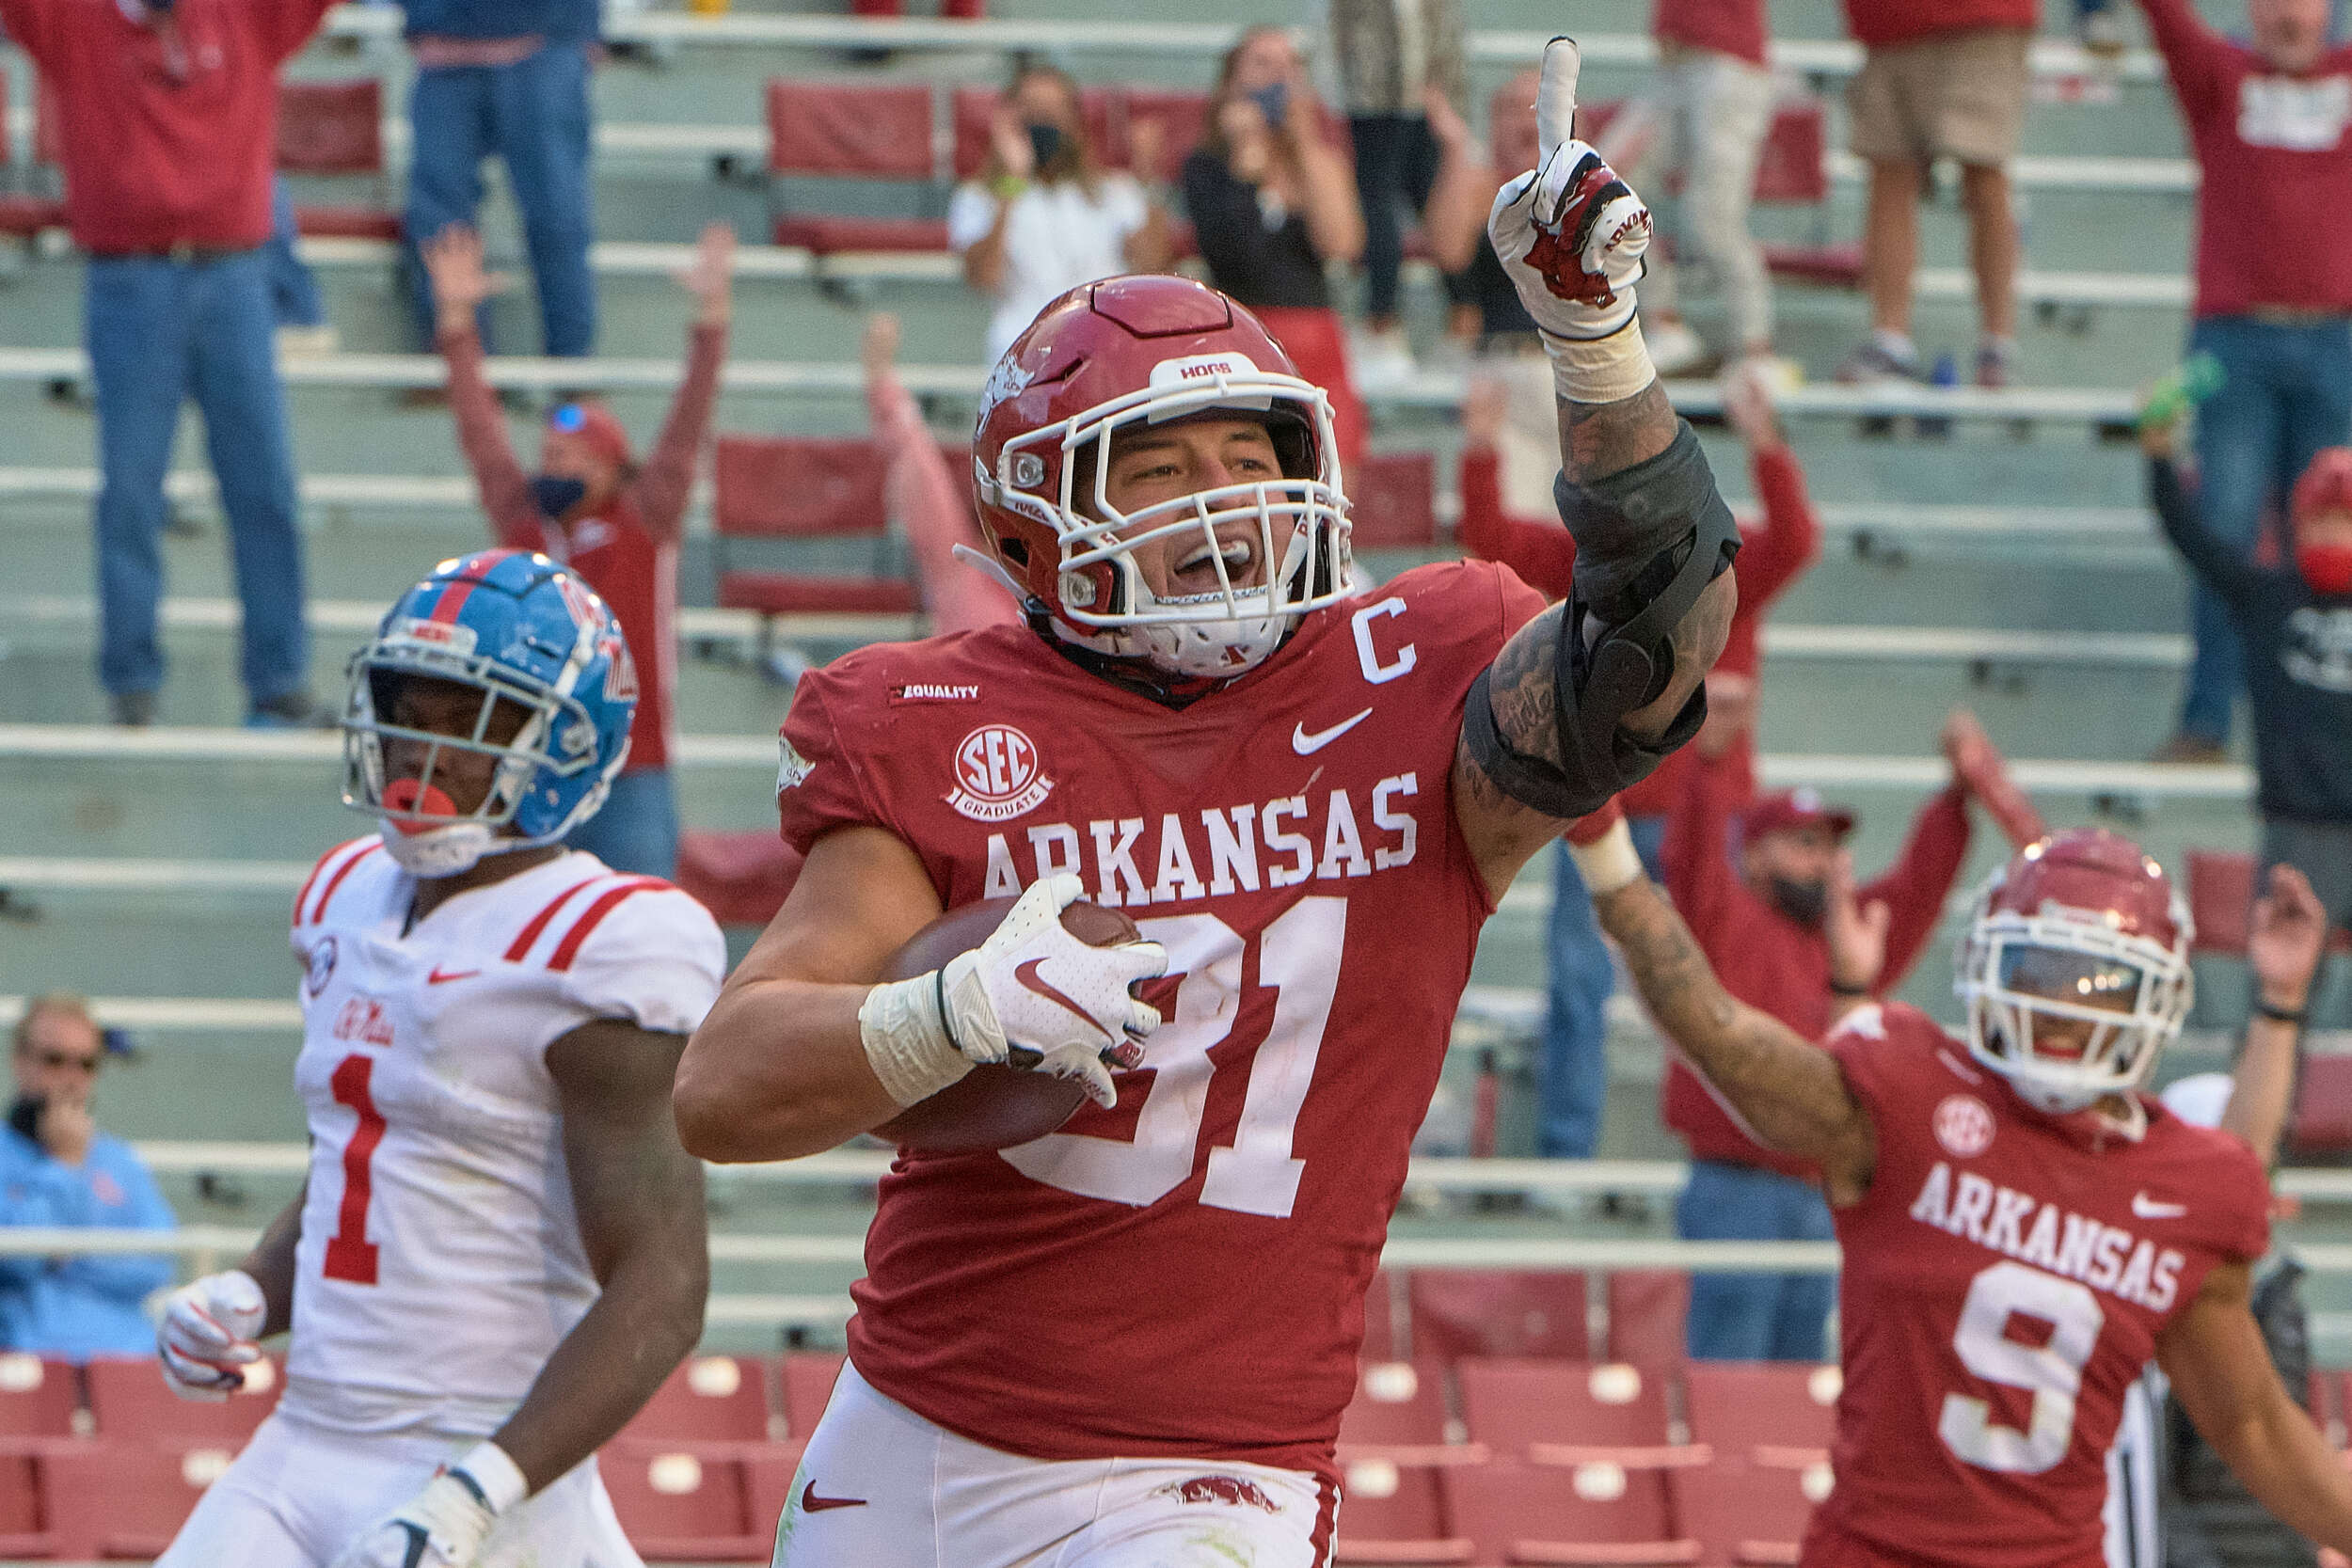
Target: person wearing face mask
pixel 1044 216
pixel 58 1169
pixel 2267 117
pixel 2293 619
pixel 1766 887
pixel 615 521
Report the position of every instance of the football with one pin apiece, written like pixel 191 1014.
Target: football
pixel 991 1107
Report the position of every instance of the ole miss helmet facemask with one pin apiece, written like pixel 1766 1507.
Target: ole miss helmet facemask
pixel 1128 352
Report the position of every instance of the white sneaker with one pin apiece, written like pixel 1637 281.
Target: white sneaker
pixel 305 343
pixel 1381 361
pixel 1674 348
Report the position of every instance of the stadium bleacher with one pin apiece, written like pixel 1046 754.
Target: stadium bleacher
pixel 2006 562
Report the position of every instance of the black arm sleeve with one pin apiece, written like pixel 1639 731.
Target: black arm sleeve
pixel 2221 568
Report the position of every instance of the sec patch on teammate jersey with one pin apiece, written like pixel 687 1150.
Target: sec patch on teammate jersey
pixel 997 775
pixel 1964 1125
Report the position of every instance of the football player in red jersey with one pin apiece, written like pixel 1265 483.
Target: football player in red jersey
pixel 2024 1229
pixel 1129 1342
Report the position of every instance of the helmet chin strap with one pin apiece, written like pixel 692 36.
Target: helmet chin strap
pixel 443 852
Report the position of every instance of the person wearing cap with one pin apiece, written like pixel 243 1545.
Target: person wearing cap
pixel 166 125
pixel 1777 914
pixel 58 1170
pixel 593 506
pixel 2293 621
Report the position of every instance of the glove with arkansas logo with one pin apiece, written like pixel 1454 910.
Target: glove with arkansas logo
pixel 1034 995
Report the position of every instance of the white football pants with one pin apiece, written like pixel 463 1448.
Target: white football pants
pixel 298 1495
pixel 881 1487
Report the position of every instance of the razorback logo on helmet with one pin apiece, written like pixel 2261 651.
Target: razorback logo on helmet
pixel 1963 1126
pixel 1235 1490
pixel 620 682
pixel 1009 379
pixel 997 775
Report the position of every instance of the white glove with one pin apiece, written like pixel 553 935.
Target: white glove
pixel 444 1525
pixel 206 1338
pixel 1032 995
pixel 1570 234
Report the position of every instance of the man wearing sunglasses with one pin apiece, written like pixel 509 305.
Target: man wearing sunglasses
pixel 57 1169
pixel 614 521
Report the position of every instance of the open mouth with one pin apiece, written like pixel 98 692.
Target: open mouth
pixel 1195 571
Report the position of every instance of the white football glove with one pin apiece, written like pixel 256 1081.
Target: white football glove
pixel 1570 234
pixel 206 1338
pixel 445 1525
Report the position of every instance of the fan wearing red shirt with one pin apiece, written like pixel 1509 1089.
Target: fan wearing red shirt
pixel 2023 1227
pixel 614 521
pixel 1572 1069
pixel 1939 79
pixel 2274 289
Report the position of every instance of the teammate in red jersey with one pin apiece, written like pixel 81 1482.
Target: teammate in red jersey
pixel 2024 1229
pixel 1129 1342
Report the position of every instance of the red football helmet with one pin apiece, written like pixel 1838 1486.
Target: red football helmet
pixel 1145 350
pixel 2078 926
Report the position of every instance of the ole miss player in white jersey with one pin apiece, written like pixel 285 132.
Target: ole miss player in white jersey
pixel 500 1251
pixel 2023 1229
pixel 1129 1342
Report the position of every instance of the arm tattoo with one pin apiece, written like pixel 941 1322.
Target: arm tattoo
pixel 1599 438
pixel 1788 1090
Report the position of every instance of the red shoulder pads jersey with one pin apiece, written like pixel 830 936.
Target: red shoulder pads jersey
pixel 2006 1279
pixel 1184 1273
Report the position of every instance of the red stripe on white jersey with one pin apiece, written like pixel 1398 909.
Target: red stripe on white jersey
pixel 311 880
pixel 569 947
pixel 1323 1542
pixel 326 895
pixel 514 954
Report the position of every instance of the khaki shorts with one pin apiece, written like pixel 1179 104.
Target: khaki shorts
pixel 1949 95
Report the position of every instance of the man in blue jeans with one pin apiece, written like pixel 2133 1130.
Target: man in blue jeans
pixel 508 77
pixel 168 121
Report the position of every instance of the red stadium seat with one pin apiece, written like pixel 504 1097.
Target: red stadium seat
pixel 1397 1404
pixel 336 129
pixel 804 489
pixel 709 1399
pixel 853 130
pixel 2323 1107
pixel 1646 1311
pixel 808 1378
pixel 1380 1318
pixel 1395 496
pixel 1393 1513
pixel 1183 118
pixel 1739 1407
pixel 38 1398
pixel 1752 1516
pixel 1599 1515
pixel 1459 1312
pixel 681 1502
pixel 1521 1406
pixel 127 1400
pixel 742 879
pixel 122 1500
pixel 26 1527
pixel 768 1473
pixel 2221 901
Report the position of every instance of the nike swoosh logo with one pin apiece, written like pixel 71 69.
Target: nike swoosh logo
pixel 1308 745
pixel 2150 1208
pixel 1028 974
pixel 439 978
pixel 812 1503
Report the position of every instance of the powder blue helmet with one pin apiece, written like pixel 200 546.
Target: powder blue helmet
pixel 520 628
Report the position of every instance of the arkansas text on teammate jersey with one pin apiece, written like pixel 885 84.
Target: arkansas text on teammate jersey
pixel 1183 1274
pixel 2007 1275
pixel 440 1261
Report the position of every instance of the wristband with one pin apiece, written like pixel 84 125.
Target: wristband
pixel 497 1479
pixel 2281 1015
pixel 1600 370
pixel 903 1026
pixel 1609 862
pixel 1008 187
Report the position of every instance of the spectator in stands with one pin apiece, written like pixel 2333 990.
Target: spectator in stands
pixel 1572 1068
pixel 593 506
pixel 294 292
pixel 167 127
pixel 1393 54
pixel 508 77
pixel 2274 291
pixel 1272 203
pixel 1044 216
pixel 58 1169
pixel 1704 119
pixel 1939 79
pixel 2295 622
pixel 1779 914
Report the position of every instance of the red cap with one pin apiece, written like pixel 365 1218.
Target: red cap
pixel 593 423
pixel 1795 808
pixel 2326 485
